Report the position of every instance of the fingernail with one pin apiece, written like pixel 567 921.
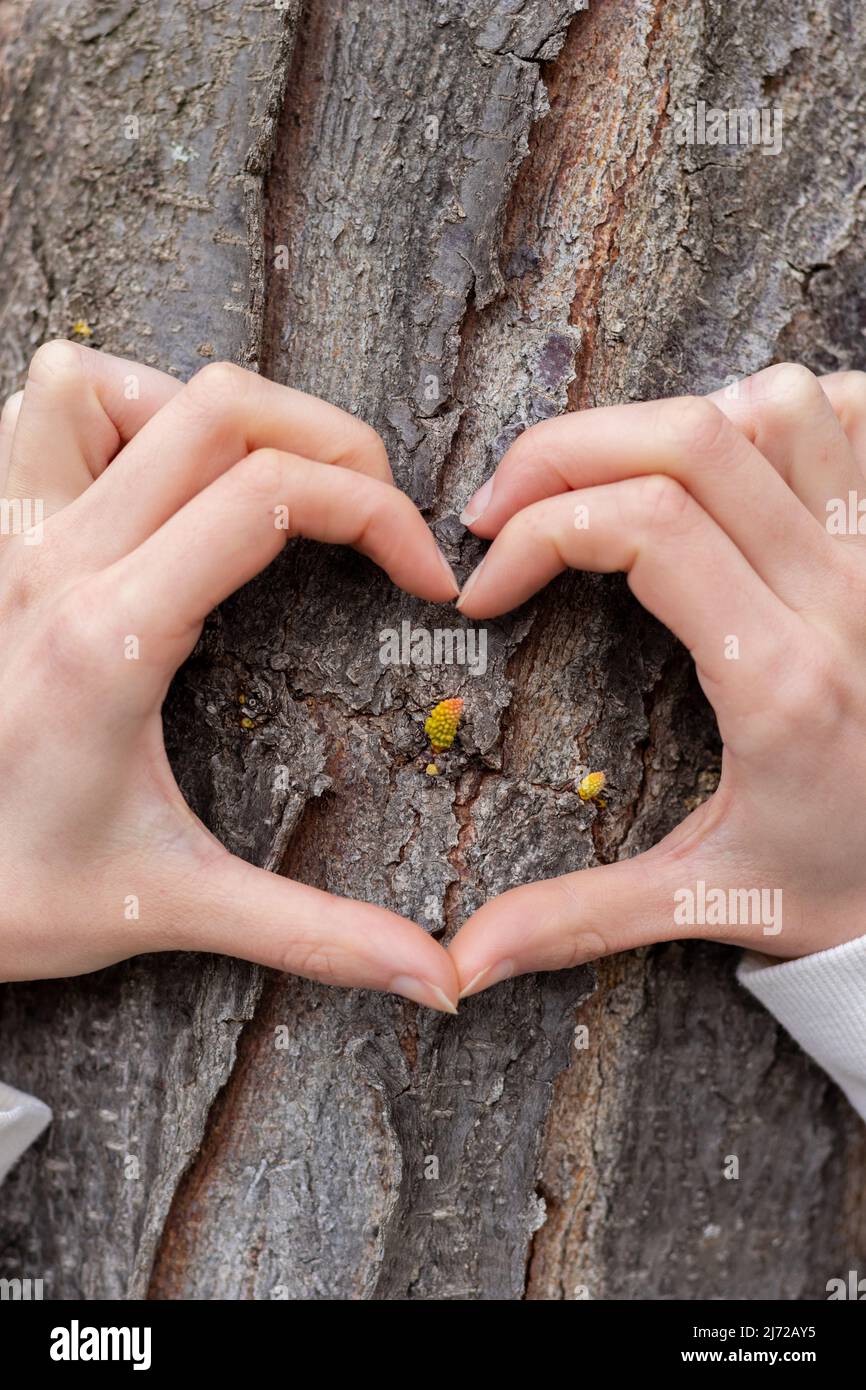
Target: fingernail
pixel 478 503
pixel 422 992
pixel 452 578
pixel 464 993
pixel 470 583
pixel 491 975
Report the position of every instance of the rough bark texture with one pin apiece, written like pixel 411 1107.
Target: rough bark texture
pixel 454 219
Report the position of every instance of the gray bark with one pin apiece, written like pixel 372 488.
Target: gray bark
pixel 454 220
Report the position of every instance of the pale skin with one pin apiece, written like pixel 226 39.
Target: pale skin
pixel 162 501
pixel 717 511
pixel 157 508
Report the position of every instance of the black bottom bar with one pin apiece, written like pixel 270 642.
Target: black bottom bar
pixel 71 1339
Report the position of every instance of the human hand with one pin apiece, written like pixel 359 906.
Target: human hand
pixel 159 501
pixel 718 511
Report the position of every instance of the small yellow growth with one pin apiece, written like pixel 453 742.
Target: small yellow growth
pixel 441 726
pixel 247 723
pixel 242 699
pixel 81 329
pixel 589 787
pixel 432 770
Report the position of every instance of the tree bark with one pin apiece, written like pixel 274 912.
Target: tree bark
pixel 453 220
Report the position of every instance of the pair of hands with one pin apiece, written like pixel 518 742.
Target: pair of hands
pixel 715 507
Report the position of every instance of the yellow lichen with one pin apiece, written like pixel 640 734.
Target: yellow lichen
pixel 589 787
pixel 441 726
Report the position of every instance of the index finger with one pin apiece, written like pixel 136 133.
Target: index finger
pixel 164 589
pixel 691 441
pixel 223 414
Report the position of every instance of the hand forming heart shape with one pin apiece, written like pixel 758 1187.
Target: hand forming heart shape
pixel 716 509
pixel 736 519
pixel 103 598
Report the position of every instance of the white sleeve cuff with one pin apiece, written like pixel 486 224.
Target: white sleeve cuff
pixel 821 1000
pixel 22 1119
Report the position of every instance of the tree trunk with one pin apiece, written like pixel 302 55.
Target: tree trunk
pixel 454 220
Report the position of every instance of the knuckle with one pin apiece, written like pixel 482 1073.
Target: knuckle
pixel 77 637
pixel 261 474
pixel 355 440
pixel 693 424
pixel 582 946
pixel 372 443
pixel 658 501
pixel 855 382
pixel 532 529
pixel 218 383
pixel 577 940
pixel 313 961
pixel 796 702
pixel 55 361
pixel 792 382
pixel 528 448
pixel 849 390
pixel 810 695
pixel 390 512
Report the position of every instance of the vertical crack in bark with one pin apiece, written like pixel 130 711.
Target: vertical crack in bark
pixel 468 790
pixel 169 1274
pixel 598 118
pixel 279 197
pixel 180 1238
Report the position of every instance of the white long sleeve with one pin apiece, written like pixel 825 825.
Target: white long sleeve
pixel 22 1119
pixel 821 1000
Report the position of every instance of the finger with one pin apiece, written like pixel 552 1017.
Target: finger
pixel 244 911
pixel 223 414
pixel 79 407
pixel 8 420
pixel 690 440
pixel 785 413
pixel 846 392
pixel 563 922
pixel 222 538
pixel 680 565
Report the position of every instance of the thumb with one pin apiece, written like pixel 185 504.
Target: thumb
pixel 563 922
pixel 260 916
